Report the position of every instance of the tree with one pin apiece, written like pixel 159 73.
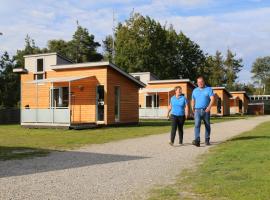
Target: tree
pixel 261 71
pixel 143 44
pixel 190 58
pixel 108 48
pixel 214 70
pixel 9 82
pixel 29 48
pixel 60 46
pixel 83 46
pixel 249 88
pixel 232 67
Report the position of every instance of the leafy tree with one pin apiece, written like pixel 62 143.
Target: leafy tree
pixel 214 71
pixel 60 46
pixel 232 67
pixel 190 58
pixel 249 88
pixel 9 82
pixel 29 48
pixel 108 48
pixel 261 71
pixel 83 46
pixel 143 44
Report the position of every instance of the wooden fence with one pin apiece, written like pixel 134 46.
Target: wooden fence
pixel 10 116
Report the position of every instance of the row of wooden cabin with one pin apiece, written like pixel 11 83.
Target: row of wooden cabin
pixel 56 92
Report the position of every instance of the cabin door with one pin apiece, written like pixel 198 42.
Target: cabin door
pixel 100 103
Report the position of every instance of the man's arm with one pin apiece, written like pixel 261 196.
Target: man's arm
pixel 193 105
pixel 212 100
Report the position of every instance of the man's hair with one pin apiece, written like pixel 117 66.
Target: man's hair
pixel 200 77
pixel 177 87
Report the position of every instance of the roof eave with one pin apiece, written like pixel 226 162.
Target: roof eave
pixel 20 70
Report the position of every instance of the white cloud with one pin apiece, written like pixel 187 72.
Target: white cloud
pixel 245 32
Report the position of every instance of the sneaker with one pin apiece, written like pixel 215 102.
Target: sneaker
pixel 196 143
pixel 170 143
pixel 207 142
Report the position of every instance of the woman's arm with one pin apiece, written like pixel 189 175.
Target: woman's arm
pixel 169 110
pixel 187 110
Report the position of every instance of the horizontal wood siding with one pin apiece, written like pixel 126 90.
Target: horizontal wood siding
pixel 186 90
pixel 129 98
pixel 244 99
pixel 83 98
pixel 225 102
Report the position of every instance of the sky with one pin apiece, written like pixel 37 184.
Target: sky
pixel 240 25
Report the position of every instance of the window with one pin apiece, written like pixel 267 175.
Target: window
pixel 40 67
pixel 40 74
pixel 240 105
pixel 152 101
pixel 100 102
pixel 148 101
pixel 59 97
pixel 219 105
pixel 117 103
pixel 156 100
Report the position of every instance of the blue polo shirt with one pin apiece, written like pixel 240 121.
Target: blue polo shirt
pixel 178 105
pixel 202 97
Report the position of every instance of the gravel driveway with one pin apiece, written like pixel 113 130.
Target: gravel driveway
pixel 125 169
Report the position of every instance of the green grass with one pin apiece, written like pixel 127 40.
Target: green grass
pixel 238 169
pixel 41 141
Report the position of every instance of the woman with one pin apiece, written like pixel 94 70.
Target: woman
pixel 179 112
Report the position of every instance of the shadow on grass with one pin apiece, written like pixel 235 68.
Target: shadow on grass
pixel 250 138
pixel 161 123
pixel 56 161
pixel 15 153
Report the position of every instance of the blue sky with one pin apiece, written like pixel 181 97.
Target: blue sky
pixel 241 25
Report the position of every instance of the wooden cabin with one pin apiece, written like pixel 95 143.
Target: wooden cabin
pixel 242 103
pixel 155 97
pixel 235 105
pixel 221 105
pixel 58 93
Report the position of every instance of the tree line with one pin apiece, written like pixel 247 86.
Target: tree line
pixel 139 44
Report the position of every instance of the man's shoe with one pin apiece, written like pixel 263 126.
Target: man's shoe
pixel 170 143
pixel 196 143
pixel 207 142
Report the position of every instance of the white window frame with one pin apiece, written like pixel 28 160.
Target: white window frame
pixel 41 72
pixel 153 100
pixel 60 98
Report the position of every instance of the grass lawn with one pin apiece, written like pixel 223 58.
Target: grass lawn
pixel 17 142
pixel 238 169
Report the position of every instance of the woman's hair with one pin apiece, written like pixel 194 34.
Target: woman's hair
pixel 177 87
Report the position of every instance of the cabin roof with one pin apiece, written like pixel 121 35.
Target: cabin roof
pixel 222 88
pixel 172 81
pixel 97 64
pixel 240 92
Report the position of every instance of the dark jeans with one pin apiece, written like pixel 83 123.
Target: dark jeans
pixel 177 122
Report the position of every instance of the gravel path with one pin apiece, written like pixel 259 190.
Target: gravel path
pixel 118 170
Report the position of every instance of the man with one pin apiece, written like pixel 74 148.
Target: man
pixel 202 101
